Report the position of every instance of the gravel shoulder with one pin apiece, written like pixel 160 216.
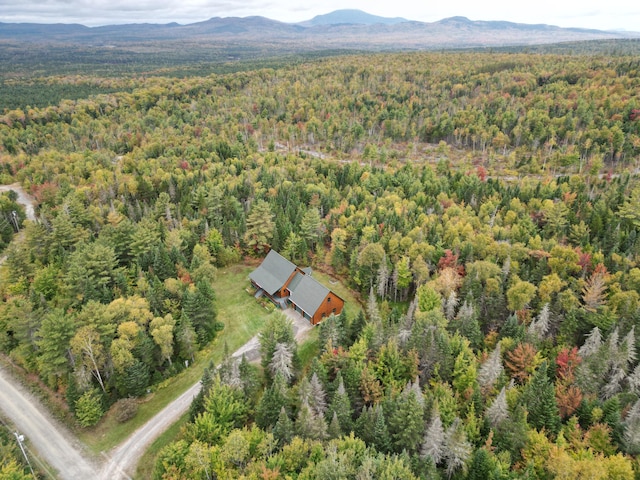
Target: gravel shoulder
pixel 51 440
pixel 61 449
pixel 123 460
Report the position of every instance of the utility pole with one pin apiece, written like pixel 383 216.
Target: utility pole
pixel 14 220
pixel 20 439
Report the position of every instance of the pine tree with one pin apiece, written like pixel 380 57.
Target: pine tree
pixel 283 429
pixel 458 450
pixel 540 401
pixel 334 430
pixel 433 442
pixel 381 439
pixel 499 410
pixel 282 361
pixel 491 369
pixel 260 228
pixel 318 398
pixel 272 401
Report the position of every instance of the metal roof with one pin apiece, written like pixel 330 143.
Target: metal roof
pixel 309 294
pixel 273 272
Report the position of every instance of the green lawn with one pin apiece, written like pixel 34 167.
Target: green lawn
pixel 351 304
pixel 242 318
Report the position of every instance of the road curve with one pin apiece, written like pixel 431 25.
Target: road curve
pixel 123 459
pixel 51 440
pixel 23 198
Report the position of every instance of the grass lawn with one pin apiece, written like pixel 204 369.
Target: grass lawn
pixel 243 318
pixel 351 304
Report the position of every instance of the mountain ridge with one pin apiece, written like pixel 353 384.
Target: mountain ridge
pixel 345 29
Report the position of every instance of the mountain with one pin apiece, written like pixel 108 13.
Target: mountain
pixel 351 17
pixel 341 29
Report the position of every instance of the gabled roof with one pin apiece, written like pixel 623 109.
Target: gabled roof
pixel 309 294
pixel 295 281
pixel 273 272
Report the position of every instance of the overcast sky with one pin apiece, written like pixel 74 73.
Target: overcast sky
pixel 600 14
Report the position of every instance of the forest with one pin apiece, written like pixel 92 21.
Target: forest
pixel 484 206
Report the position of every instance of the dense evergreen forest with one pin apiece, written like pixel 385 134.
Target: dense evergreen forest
pixel 485 205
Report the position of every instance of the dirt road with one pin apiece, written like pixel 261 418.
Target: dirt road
pixel 23 198
pixel 56 445
pixel 123 460
pixel 52 441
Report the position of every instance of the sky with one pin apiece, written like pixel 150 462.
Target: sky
pixel 599 14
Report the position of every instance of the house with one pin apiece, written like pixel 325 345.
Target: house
pixel 288 285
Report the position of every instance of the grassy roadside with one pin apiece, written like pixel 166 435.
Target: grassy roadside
pixel 147 461
pixel 242 318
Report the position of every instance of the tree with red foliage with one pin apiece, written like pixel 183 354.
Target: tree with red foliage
pixel 567 361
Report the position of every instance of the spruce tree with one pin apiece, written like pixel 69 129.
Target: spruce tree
pixel 540 401
pixel 318 399
pixel 283 429
pixel 272 401
pixel 433 441
pixel 457 448
pixel 406 423
pixel 341 406
pixel 381 438
pixel 334 430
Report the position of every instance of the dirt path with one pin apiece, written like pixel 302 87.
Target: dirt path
pixel 23 198
pixel 58 447
pixel 123 460
pixel 51 440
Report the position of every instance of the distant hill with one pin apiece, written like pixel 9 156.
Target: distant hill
pixel 351 17
pixel 341 29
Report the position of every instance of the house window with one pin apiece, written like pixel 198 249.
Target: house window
pixel 328 299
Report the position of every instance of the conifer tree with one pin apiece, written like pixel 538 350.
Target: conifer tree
pixel 197 404
pixel 365 423
pixel 406 423
pixel 272 401
pixel 458 450
pixel 433 440
pixel 540 401
pixel 283 429
pixel 341 406
pixel 381 438
pixel 632 430
pixel 499 410
pixel 282 361
pixel 334 430
pixel 318 398
pixel 491 369
pixel 309 425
